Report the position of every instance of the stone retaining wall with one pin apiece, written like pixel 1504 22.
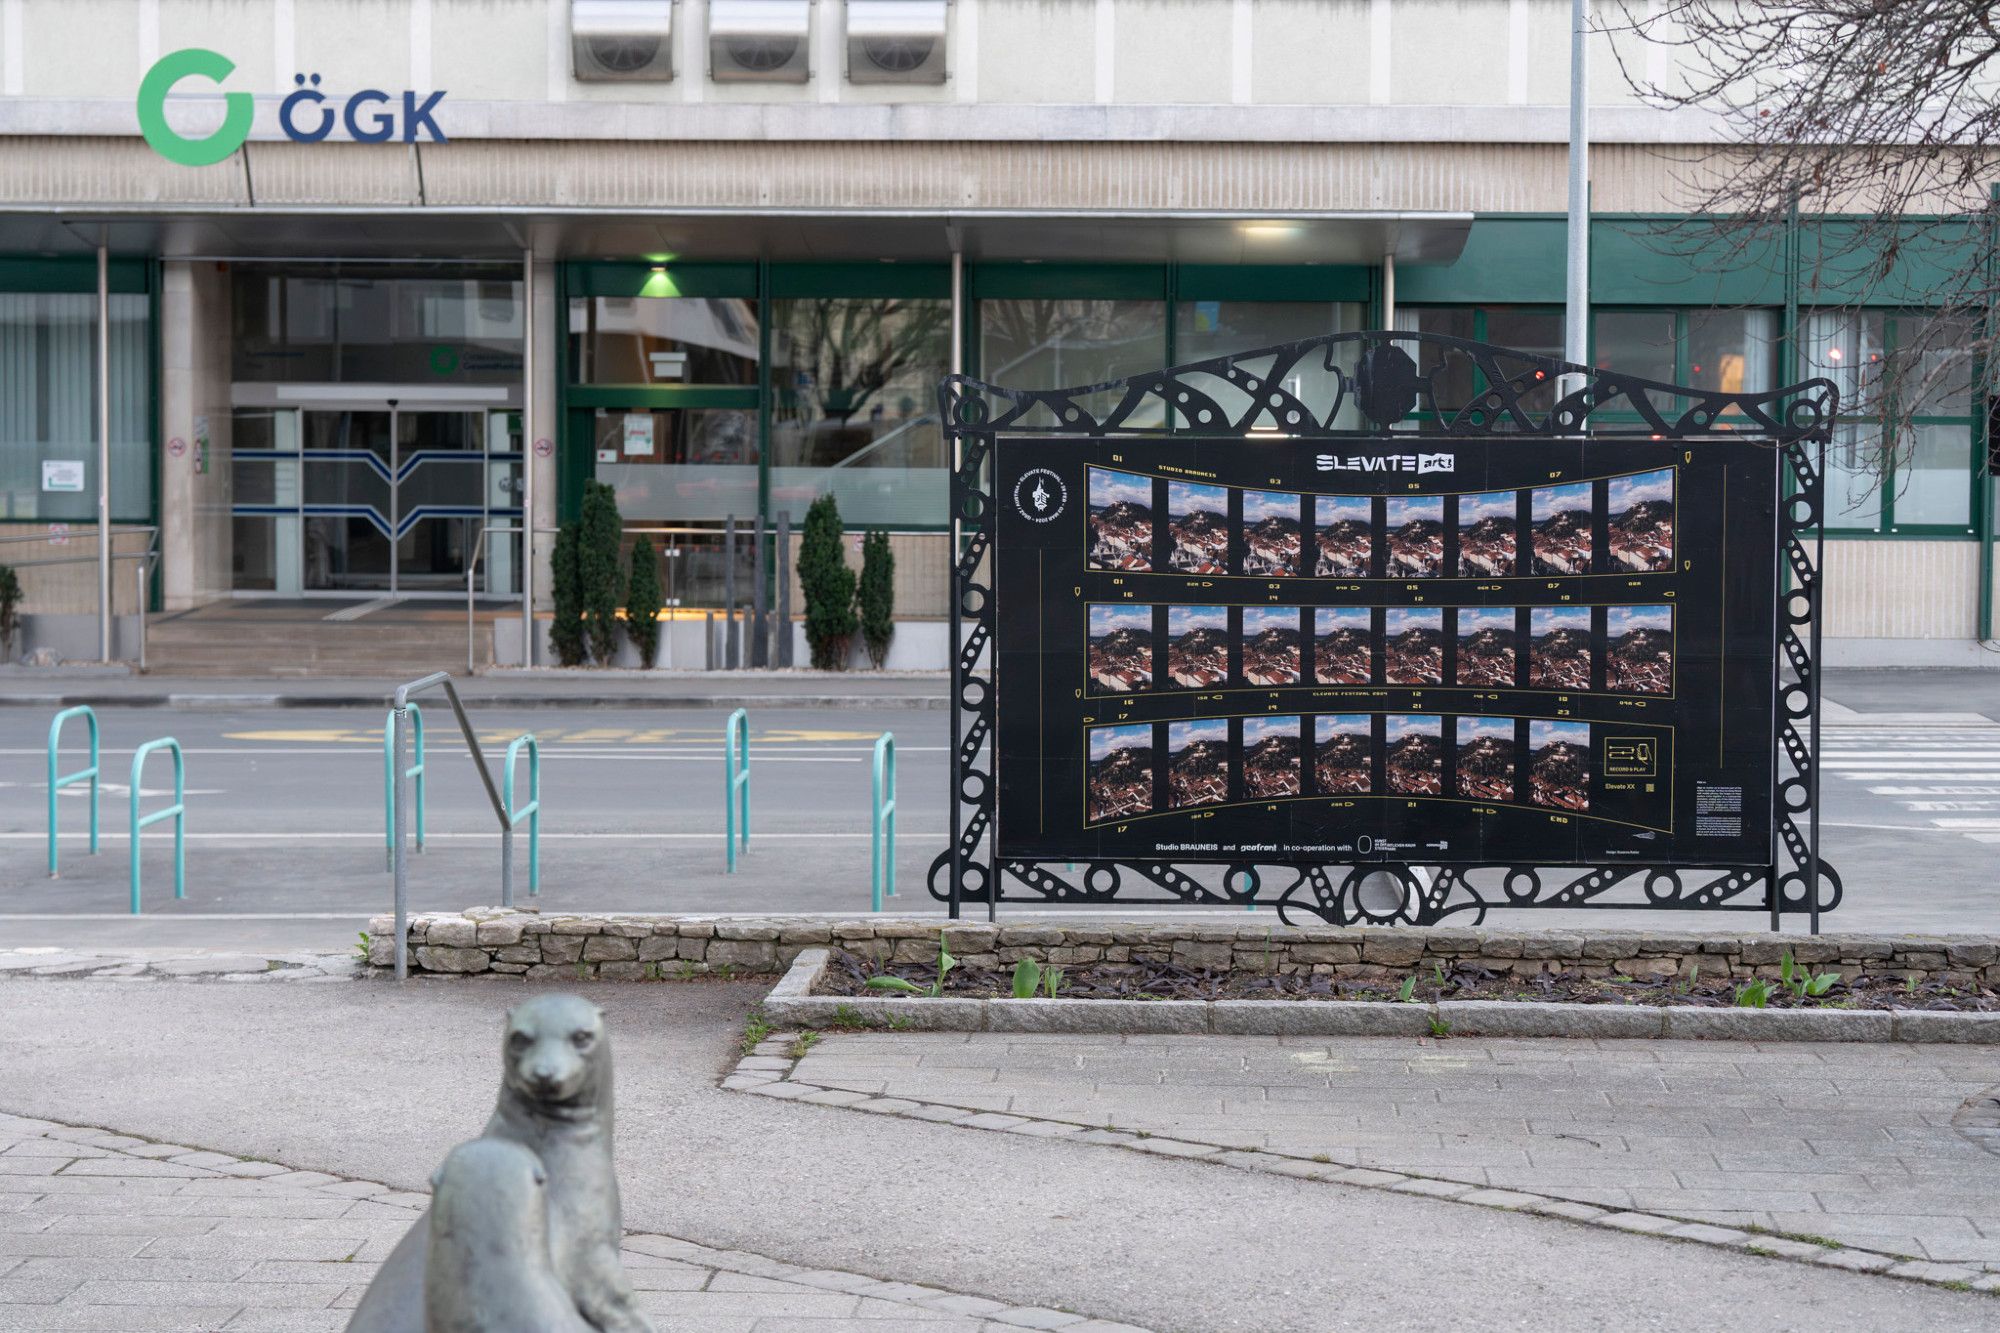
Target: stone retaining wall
pixel 618 947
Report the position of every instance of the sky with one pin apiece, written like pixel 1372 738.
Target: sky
pixel 1409 510
pixel 1326 728
pixel 1625 618
pixel 1547 733
pixel 1553 500
pixel 1472 728
pixel 1472 508
pixel 1184 497
pixel 1330 509
pixel 1181 619
pixel 1108 488
pixel 1471 621
pixel 1401 726
pixel 1257 619
pixel 1404 617
pixel 1628 491
pixel 1328 619
pixel 1257 728
pixel 1260 505
pixel 1548 619
pixel 1104 619
pixel 1103 740
pixel 1183 734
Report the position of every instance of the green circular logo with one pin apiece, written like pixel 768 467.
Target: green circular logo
pixel 170 69
pixel 444 360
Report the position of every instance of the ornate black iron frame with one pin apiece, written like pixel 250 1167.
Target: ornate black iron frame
pixel 1375 374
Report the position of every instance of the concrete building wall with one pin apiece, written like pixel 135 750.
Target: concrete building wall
pixel 195 530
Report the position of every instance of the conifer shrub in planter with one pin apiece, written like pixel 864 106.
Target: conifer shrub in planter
pixel 828 585
pixel 875 597
pixel 10 611
pixel 566 635
pixel 599 570
pixel 642 603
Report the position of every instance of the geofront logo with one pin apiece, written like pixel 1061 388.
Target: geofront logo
pixel 306 115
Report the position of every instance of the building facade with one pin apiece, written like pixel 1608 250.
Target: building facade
pixel 382 272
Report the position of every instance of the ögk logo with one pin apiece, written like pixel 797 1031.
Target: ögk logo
pixel 307 115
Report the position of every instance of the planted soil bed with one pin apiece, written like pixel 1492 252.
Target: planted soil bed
pixel 847 974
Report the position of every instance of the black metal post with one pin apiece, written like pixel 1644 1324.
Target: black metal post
pixel 731 647
pixel 760 653
pixel 784 562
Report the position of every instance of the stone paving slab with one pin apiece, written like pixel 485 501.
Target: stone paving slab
pixel 1867 1156
pixel 104 1232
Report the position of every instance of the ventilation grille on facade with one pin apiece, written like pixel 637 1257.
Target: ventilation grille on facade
pixel 760 41
pixel 625 40
pixel 896 41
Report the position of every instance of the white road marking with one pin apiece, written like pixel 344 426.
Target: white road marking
pixel 1960 762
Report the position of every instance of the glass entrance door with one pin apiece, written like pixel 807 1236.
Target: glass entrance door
pixel 393 499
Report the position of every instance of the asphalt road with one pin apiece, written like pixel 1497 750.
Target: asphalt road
pixel 285 822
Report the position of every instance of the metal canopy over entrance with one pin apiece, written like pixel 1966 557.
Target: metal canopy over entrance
pixel 1380 628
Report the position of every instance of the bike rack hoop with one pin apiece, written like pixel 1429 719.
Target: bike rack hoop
pixel 532 812
pixel 736 787
pixel 58 781
pixel 882 823
pixel 176 812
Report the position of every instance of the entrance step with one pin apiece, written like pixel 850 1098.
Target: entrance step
pixel 289 639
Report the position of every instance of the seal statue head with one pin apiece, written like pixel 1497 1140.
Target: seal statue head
pixel 554 1055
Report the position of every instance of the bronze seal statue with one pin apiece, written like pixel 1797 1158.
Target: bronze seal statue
pixel 555 1102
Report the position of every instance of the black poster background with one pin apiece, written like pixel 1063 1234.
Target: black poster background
pixel 1683 776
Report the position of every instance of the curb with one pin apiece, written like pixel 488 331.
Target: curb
pixel 926 702
pixel 792 1004
pixel 768 1070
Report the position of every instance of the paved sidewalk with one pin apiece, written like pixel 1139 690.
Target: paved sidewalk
pixel 1889 1149
pixel 103 1231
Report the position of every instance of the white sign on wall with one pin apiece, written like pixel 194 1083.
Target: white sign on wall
pixel 62 474
pixel 638 434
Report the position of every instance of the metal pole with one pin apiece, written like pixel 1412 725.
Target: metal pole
pixel 760 655
pixel 783 629
pixel 104 454
pixel 142 615
pixel 1576 299
pixel 527 458
pixel 731 645
pixel 1389 289
pixel 957 312
pixel 399 725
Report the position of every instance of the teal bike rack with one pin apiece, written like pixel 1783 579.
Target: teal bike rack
pixel 58 781
pixel 532 811
pixel 882 823
pixel 415 770
pixel 736 785
pixel 176 812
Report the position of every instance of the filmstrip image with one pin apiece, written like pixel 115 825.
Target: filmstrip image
pixel 1344 754
pixel 1413 646
pixel 1344 533
pixel 1121 648
pixel 1197 763
pixel 1271 757
pixel 1272 543
pixel 1198 646
pixel 1559 648
pixel 1197 528
pixel 1488 647
pixel 1489 535
pixel 1119 781
pixel 1343 645
pixel 1562 531
pixel 1121 520
pixel 1486 758
pixel 1416 536
pixel 1641 528
pixel 1414 755
pixel 1639 649
pixel 1559 764
pixel 1271 645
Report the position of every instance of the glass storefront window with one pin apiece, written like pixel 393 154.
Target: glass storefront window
pixel 1933 476
pixel 1731 351
pixel 1454 378
pixel 854 408
pixel 1042 344
pixel 380 326
pixel 1854 478
pixel 1207 329
pixel 48 411
pixel 663 340
pixel 1635 342
pixel 679 463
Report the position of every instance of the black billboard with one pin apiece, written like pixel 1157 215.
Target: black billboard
pixel 1514 649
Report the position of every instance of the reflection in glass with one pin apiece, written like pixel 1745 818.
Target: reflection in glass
pixel 48 409
pixel 1046 344
pixel 1635 342
pixel 1207 329
pixel 1931 476
pixel 1731 351
pixel 663 340
pixel 679 463
pixel 334 324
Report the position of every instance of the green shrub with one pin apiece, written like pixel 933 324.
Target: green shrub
pixel 566 593
pixel 10 611
pixel 599 570
pixel 642 602
pixel 875 597
pixel 828 585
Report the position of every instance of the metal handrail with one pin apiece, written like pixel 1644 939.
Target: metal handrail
pixel 416 771
pixel 89 529
pixel 471 576
pixel 148 559
pixel 176 812
pixel 399 725
pixel 882 824
pixel 58 782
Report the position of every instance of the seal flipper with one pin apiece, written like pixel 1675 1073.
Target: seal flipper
pixel 489 1269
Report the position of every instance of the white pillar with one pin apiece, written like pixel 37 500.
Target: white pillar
pixel 103 452
pixel 527 458
pixel 1576 301
pixel 1389 289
